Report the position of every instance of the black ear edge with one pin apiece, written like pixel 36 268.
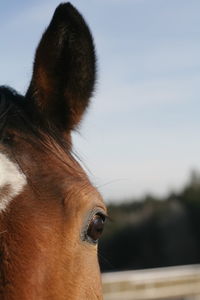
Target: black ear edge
pixel 65 10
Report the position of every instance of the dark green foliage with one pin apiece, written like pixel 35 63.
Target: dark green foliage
pixel 153 232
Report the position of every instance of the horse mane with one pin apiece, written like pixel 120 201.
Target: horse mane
pixel 12 104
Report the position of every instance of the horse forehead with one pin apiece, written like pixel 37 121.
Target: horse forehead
pixel 12 181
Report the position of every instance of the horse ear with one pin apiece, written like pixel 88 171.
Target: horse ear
pixel 64 69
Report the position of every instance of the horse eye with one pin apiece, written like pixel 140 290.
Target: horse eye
pixel 95 228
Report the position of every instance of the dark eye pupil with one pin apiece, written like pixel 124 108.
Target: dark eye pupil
pixel 96 226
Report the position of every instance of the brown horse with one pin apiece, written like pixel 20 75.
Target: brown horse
pixel 51 217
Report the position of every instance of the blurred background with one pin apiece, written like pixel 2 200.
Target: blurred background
pixel 140 138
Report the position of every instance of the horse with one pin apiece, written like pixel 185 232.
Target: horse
pixel 51 216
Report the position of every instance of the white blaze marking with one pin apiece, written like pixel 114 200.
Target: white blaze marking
pixel 12 178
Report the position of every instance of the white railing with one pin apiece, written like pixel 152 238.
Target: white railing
pixel 177 283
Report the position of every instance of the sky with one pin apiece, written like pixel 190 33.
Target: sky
pixel 141 134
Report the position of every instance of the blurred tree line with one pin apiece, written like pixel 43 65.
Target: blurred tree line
pixel 153 232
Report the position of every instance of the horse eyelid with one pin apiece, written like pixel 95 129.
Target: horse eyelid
pixel 95 211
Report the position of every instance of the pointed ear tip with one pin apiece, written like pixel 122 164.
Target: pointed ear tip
pixel 66 11
pixel 65 6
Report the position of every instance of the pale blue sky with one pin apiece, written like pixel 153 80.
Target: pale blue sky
pixel 142 132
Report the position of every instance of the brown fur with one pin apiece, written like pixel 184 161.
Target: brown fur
pixel 42 255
